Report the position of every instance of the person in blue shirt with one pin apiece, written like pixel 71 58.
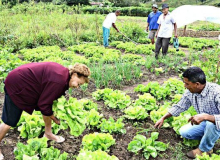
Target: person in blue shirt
pixel 152 24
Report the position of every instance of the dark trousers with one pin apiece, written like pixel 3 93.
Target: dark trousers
pixel 164 43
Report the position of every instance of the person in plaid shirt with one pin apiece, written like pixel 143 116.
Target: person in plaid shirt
pixel 205 98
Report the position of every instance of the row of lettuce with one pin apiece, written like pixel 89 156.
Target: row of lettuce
pixel 123 56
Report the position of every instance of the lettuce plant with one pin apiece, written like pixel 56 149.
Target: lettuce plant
pixel 71 112
pixel 52 153
pixel 176 98
pixel 160 92
pixel 89 104
pixel 135 112
pixel 112 126
pixel 155 115
pixel 101 94
pixel 147 101
pixel 149 147
pixel 30 126
pixel 96 141
pixel 205 156
pixel 99 155
pixel 117 100
pixel 94 117
pixel 37 149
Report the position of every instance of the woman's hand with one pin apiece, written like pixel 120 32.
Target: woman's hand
pixel 57 121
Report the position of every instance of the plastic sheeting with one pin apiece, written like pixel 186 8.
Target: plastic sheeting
pixel 187 14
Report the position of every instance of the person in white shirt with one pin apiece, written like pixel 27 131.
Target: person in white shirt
pixel 107 24
pixel 165 30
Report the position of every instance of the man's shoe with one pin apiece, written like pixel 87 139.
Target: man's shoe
pixel 192 154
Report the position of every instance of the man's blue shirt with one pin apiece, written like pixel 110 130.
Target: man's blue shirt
pixel 152 20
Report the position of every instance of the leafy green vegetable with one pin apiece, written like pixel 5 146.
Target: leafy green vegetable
pixel 147 101
pixel 149 147
pixel 111 126
pixel 101 94
pixel 170 87
pixel 96 155
pixel 94 117
pixel 137 144
pixel 175 86
pixel 25 157
pixel 133 58
pixel 71 112
pixel 37 147
pixel 155 115
pixel 97 53
pixel 89 104
pixel 176 98
pixel 182 119
pixel 30 126
pixel 32 148
pixel 117 100
pixel 204 156
pixel 135 112
pixel 190 142
pixel 114 99
pixel 155 89
pixel 52 153
pixel 96 141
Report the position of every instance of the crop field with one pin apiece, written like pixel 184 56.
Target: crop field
pixel 113 116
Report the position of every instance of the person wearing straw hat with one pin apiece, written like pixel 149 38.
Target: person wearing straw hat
pixel 152 24
pixel 165 30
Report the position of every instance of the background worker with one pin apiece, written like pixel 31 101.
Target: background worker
pixel 35 86
pixel 152 24
pixel 165 30
pixel 107 24
pixel 205 98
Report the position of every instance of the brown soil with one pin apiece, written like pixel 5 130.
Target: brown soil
pixel 199 34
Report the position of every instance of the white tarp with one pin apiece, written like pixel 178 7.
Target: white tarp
pixel 187 14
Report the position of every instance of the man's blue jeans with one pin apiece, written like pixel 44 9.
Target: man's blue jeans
pixel 206 132
pixel 106 33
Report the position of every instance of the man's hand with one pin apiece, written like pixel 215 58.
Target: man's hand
pixel 147 29
pixel 156 35
pixel 176 36
pixel 57 121
pixel 159 123
pixel 197 119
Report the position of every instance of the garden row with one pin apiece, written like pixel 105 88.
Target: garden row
pixel 123 56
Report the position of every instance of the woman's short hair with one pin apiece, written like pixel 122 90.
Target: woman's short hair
pixel 81 70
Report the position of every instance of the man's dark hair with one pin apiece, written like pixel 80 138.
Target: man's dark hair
pixel 195 74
